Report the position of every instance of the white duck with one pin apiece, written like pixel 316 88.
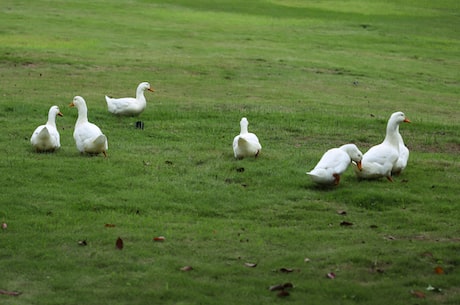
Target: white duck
pixel 334 162
pixel 46 138
pixel 246 144
pixel 88 137
pixel 380 159
pixel 129 106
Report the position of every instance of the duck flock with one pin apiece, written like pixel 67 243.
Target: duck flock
pixel 383 160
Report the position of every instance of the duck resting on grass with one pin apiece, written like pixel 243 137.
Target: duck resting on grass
pixel 46 138
pixel 334 162
pixel 129 106
pixel 246 144
pixel 88 137
pixel 380 159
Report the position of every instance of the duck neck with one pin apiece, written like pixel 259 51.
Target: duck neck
pixel 392 133
pixel 82 114
pixel 51 119
pixel 244 128
pixel 140 95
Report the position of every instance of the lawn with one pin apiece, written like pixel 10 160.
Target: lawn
pixel 308 75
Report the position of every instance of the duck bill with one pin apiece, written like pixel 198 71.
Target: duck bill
pixel 72 105
pixel 60 114
pixel 151 89
pixel 359 165
pixel 406 120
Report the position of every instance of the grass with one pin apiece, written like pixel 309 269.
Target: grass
pixel 308 75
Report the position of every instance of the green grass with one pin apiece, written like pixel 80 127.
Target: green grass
pixel 308 75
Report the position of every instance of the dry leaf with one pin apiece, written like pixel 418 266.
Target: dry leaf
pixel 82 242
pixel 186 268
pixel 276 287
pixel 346 223
pixel 306 260
pixel 283 293
pixel 286 270
pixel 439 270
pixel 331 275
pixel 250 265
pixel 109 225
pixel 418 294
pixel 341 212
pixel 4 226
pixel 12 293
pixel 159 238
pixel 119 243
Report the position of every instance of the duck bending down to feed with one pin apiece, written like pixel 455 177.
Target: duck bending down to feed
pixel 129 106
pixel 334 162
pixel 246 144
pixel 46 138
pixel 380 159
pixel 88 137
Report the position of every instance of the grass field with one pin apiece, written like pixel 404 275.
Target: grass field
pixel 308 75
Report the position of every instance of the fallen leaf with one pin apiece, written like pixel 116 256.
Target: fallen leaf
pixel 286 270
pixel 341 212
pixel 418 294
pixel 4 226
pixel 283 293
pixel 159 238
pixel 186 268
pixel 250 265
pixel 12 293
pixel 346 223
pixel 434 289
pixel 119 243
pixel 373 226
pixel 82 242
pixel 439 270
pixel 331 275
pixel 288 285
pixel 109 225
pixel 276 287
pixel 306 260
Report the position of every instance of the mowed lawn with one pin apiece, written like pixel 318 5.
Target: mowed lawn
pixel 198 226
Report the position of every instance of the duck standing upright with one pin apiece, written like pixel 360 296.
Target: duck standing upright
pixel 246 144
pixel 129 106
pixel 46 138
pixel 88 137
pixel 334 162
pixel 380 159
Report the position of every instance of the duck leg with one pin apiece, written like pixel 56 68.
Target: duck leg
pixel 337 178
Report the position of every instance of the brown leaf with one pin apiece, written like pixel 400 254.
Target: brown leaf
pixel 418 294
pixel 439 270
pixel 283 293
pixel 341 212
pixel 250 265
pixel 331 275
pixel 346 223
pixel 119 243
pixel 4 226
pixel 82 242
pixel 12 293
pixel 286 270
pixel 159 238
pixel 276 287
pixel 109 225
pixel 186 268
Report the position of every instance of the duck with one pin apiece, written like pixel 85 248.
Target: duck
pixel 246 144
pixel 334 162
pixel 129 106
pixel 88 136
pixel 380 159
pixel 45 138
